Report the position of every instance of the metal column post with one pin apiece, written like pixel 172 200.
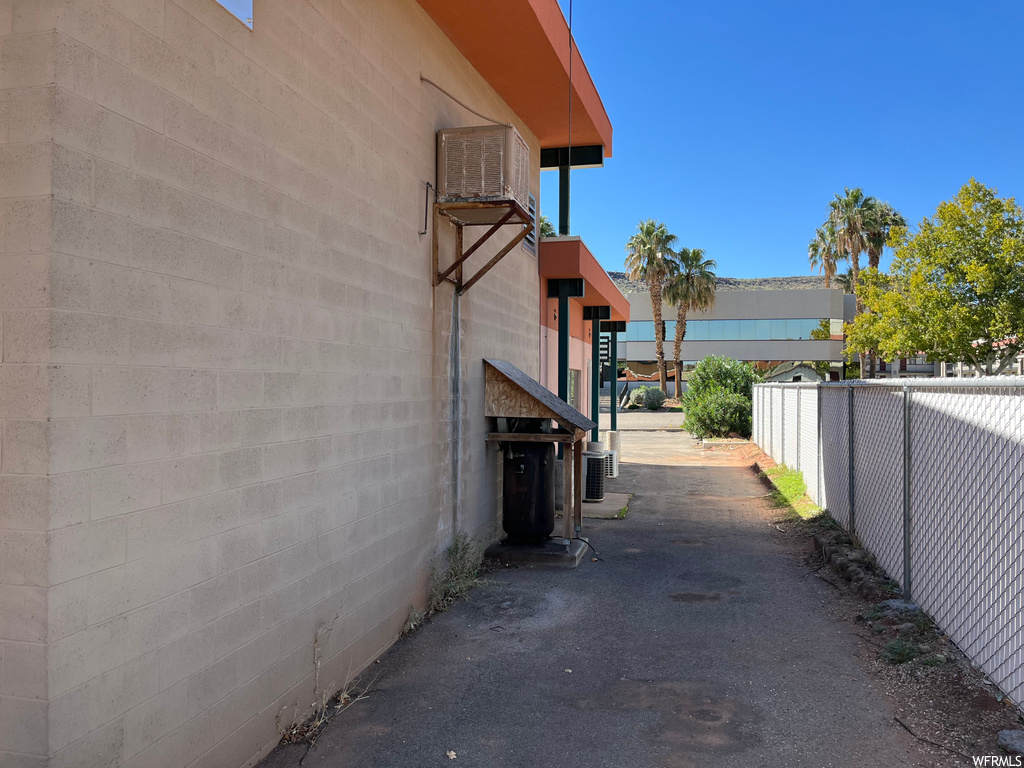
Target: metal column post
pixel 563 345
pixel 614 353
pixel 595 385
pixel 563 200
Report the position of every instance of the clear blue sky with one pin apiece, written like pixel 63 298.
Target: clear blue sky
pixel 736 121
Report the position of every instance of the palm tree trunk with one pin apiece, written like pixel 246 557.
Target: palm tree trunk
pixel 659 331
pixel 678 347
pixel 874 259
pixel 855 279
pixel 680 335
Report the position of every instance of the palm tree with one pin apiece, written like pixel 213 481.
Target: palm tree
pixel 823 252
pixel 648 257
pixel 845 280
pixel 879 218
pixel 691 285
pixel 848 213
pixel 547 229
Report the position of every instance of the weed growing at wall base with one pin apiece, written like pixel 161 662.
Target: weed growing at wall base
pixel 448 585
pixel 462 574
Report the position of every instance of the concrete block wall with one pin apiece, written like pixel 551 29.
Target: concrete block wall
pixel 27 494
pixel 210 261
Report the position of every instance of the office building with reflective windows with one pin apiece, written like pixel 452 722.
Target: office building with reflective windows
pixel 767 327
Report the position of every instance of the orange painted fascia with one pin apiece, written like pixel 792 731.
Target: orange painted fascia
pixel 569 257
pixel 521 47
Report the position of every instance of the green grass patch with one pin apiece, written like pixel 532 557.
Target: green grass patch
pixel 675 408
pixel 625 510
pixel 790 492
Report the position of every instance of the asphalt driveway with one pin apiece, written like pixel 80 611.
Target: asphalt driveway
pixel 695 641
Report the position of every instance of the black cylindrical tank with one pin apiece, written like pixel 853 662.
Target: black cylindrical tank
pixel 528 497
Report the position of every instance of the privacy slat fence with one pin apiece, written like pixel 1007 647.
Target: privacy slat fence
pixel 929 476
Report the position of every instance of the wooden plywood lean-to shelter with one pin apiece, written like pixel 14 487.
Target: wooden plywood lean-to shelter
pixel 511 394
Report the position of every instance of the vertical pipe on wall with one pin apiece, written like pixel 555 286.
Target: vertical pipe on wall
pixel 455 414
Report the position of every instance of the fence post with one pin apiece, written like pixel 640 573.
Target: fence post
pixel 906 493
pixel 849 449
pixel 799 427
pixel 820 501
pixel 782 422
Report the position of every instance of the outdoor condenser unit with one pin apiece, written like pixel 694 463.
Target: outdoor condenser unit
pixel 485 162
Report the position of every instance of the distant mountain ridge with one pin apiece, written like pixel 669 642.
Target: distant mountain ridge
pixel 800 282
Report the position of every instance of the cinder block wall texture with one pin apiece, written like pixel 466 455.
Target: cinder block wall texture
pixel 209 262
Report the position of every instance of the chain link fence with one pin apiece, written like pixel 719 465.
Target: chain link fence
pixel 929 476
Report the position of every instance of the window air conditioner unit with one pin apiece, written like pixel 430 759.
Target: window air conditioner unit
pixel 482 163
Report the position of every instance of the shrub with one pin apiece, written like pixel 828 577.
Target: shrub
pixel 646 397
pixel 654 398
pixel 717 413
pixel 721 373
pixel 718 397
pixel 636 396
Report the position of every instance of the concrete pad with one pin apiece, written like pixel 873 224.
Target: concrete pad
pixel 614 507
pixel 551 553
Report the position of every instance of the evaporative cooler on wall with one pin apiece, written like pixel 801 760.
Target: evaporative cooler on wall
pixel 485 162
pixel 483 180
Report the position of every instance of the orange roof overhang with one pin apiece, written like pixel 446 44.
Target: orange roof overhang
pixel 569 257
pixel 521 47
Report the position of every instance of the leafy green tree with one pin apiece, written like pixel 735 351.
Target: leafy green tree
pixel 649 257
pixel 956 287
pixel 691 285
pixel 822 333
pixel 879 220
